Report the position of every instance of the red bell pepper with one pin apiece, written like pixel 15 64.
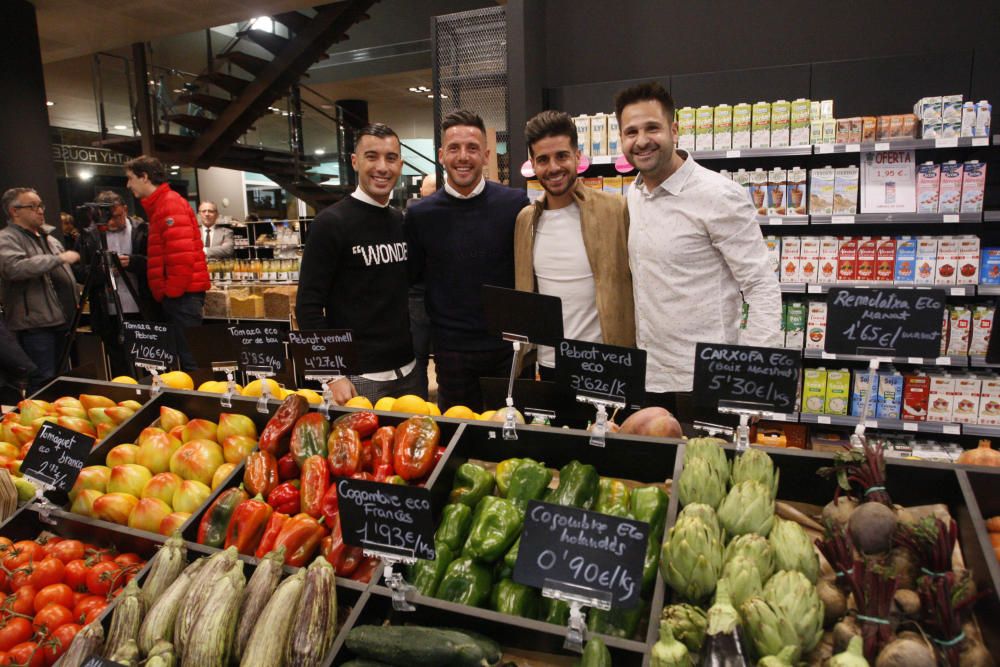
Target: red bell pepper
pixel 344 448
pixel 271 531
pixel 415 446
pixel 287 468
pixel 309 437
pixel 274 439
pixel 332 548
pixel 366 455
pixel 300 536
pixel 215 522
pixel 261 473
pixel 248 524
pixel 286 498
pixel 365 570
pixel 383 472
pixel 331 509
pixel 349 561
pixel 382 446
pixel 364 476
pixel 364 422
pixel 315 482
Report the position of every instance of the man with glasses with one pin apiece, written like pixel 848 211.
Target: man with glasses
pixel 218 241
pixel 37 288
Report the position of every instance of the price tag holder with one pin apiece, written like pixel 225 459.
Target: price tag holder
pixel 389 521
pixel 946 142
pixel 884 322
pixel 229 368
pixel 882 145
pixel 732 154
pixel 152 347
pixel 583 558
pixel 54 461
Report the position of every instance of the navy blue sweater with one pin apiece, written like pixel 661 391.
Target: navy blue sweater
pixel 456 247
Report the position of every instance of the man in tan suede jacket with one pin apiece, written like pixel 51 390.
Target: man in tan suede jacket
pixel 573 243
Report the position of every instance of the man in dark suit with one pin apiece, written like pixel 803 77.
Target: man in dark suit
pixel 218 240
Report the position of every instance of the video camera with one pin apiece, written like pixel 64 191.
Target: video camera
pixel 92 213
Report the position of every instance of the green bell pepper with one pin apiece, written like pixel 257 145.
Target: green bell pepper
pixel 595 654
pixel 509 597
pixel 578 483
pixel 554 611
pixel 616 622
pixel 426 575
pixel 472 483
pixel 456 519
pixel 612 497
pixel 504 471
pixel 510 558
pixel 496 523
pixel 466 582
pixel 528 482
pixel 649 504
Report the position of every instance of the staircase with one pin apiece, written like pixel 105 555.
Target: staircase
pixel 232 104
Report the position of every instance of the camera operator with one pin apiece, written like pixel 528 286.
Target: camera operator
pixel 127 238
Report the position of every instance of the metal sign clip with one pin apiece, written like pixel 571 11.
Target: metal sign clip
pixel 229 368
pixel 600 427
pixel 325 379
pixel 154 368
pixel 261 373
pixel 576 629
pixel 402 592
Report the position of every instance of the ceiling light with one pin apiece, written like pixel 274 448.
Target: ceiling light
pixel 86 174
pixel 326 106
pixel 320 151
pixel 444 97
pixel 431 96
pixel 175 166
pixel 120 127
pixel 178 90
pixel 50 103
pixel 414 90
pixel 263 23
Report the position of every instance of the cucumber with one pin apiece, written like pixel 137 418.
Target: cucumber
pixel 413 646
pixel 491 649
pixel 595 654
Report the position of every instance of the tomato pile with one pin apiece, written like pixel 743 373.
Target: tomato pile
pixel 52 587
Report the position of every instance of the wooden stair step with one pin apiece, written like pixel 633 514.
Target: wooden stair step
pixel 233 85
pixel 294 21
pixel 266 40
pixel 196 123
pixel 245 61
pixel 214 104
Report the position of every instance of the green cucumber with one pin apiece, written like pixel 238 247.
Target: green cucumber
pixel 412 646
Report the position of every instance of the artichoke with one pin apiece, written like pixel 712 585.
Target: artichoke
pixel 707 448
pixel 853 656
pixel 687 623
pixel 701 481
pixel 668 652
pixel 754 464
pixel 783 659
pixel 743 579
pixel 722 616
pixel 793 550
pixel 691 559
pixel 757 549
pixel 768 628
pixel 748 508
pixel 705 513
pixel 795 596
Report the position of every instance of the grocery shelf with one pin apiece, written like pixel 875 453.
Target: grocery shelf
pixel 953 290
pixel 886 424
pixel 793 288
pixel 980 362
pixel 895 218
pixel 981 429
pixel 783 219
pixel 604 159
pixel 737 153
pixel 902 145
pixel 989 290
pixel 991 216
pixel 922 361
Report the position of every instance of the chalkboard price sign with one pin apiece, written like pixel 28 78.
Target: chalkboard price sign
pixel 388 518
pixel 151 343
pixel 260 346
pixel 56 456
pixel 765 377
pixel 886 322
pixel 327 351
pixel 565 548
pixel 97 661
pixel 606 372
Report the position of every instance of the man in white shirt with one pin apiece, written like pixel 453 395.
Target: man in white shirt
pixel 572 242
pixel 695 250
pixel 218 241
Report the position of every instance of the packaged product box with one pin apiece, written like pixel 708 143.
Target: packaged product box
pixel 596 182
pixel 614 135
pixel 926 260
pixel 741 177
pixel 896 127
pixel 809 259
pixel 906 260
pixel 959 326
pixel 791 257
pixel 982 325
pixel 838 392
pixel 816 131
pixel 843 131
pixel 847 260
pixel 916 388
pixel 816 325
pixel 583 133
pixel 704 119
pixel 795 325
pixel 845 190
pixel 885 261
pixel 989 402
pixel 813 390
pixel 828 251
pixel 758 190
pixel 889 401
pixel 598 135
pixel 826 109
pixel 989 266
pixel 928 187
pixel 815 110
pixel 945 321
pixel 951 108
pixel 973 186
pixel 939 398
pixel 867 250
pixel 983 111
pixel 726 174
pixel 968 119
pixel 613 185
pixel 882 128
pixel 829 130
pixel 821 188
pixel 951 187
pixel 781 118
pixel 760 128
pixel 947 261
pixel 857 130
pixel 965 405
pixel 797 200
pixel 928 108
pixel 773 245
pixel 722 128
pixel 777 186
pixel 868 128
pixel 742 125
pixel 534 188
pixel 950 129
pixel 967 261
pixel 909 126
pixel 799 123
pixel 627 182
pixel 865 383
pixel 685 128
pixel 930 129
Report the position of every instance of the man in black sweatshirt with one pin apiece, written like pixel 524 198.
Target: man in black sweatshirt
pixel 461 238
pixel 354 273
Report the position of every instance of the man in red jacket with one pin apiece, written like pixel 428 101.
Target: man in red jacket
pixel 175 265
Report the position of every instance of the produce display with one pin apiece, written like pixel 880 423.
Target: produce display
pixel 993 526
pixel 158 482
pixel 89 414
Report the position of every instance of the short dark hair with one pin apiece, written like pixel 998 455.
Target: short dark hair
pixel 109 197
pixel 378 130
pixel 550 124
pixel 651 91
pixel 145 165
pixel 10 196
pixel 463 117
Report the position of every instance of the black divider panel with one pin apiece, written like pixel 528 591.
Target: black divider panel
pixel 741 85
pixel 977 550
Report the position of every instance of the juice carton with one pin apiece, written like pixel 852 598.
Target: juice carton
pixel 959 324
pixel 614 135
pixel 685 128
pixel 967 262
pixel 931 129
pixel 773 245
pixel 890 395
pixel 843 130
pixel 845 190
pixel 704 119
pixel 777 200
pixel 797 191
pixel 795 325
pixel 613 185
pixel 758 190
pixel 813 390
pixel 760 127
pixel 896 127
pixel 973 186
pixel 741 177
pixel 791 256
pixel 821 189
pixel 868 128
pixel 828 251
pixel 865 384
pixel 882 128
pixel 815 110
pixel 847 260
pixel 723 127
pixel 945 321
pixel 916 389
pixel 885 261
pixel 809 259
pixel 826 109
pixel 906 260
pixel 968 118
pixel 595 182
pixel 867 249
pixel 599 134
pixel 909 128
pixel 781 116
pixel 947 261
pixel 829 130
pixel 926 260
pixel 857 128
pixel 951 108
pixel 965 407
pixel 928 187
pixel 983 111
pixel 982 325
pixel 816 131
pixel 838 392
pixel 816 325
pixel 742 124
pixel 928 108
pixel 989 402
pixel 939 398
pixel 799 123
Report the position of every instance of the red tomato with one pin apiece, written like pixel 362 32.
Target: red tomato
pixel 68 550
pixel 48 542
pixel 5 543
pixel 14 631
pixel 51 617
pixel 23 600
pixel 94 612
pixel 76 573
pixel 20 577
pixel 102 576
pixel 99 555
pixel 21 553
pixel 47 572
pixel 128 559
pixel 88 602
pixel 60 641
pixel 54 593
pixel 26 654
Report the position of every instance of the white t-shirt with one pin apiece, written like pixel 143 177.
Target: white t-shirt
pixel 563 270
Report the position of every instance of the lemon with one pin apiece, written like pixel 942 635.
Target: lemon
pixel 486 416
pixel 177 380
pixel 311 396
pixel 124 379
pixel 411 404
pixel 460 412
pixel 212 386
pixel 285 393
pixel 255 388
pixel 359 402
pixel 385 403
pixel 435 410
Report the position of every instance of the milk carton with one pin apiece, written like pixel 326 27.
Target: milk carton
pixel 967 261
pixel 829 131
pixel 973 186
pixel 951 129
pixel 704 119
pixel 742 125
pixel 889 399
pixel 723 128
pixel 867 249
pixel 916 390
pixel 813 390
pixel 989 266
pixel 959 326
pixel 613 185
pixel 982 325
pixel 598 135
pixel 847 260
pixel 781 116
pixel 828 249
pixel 614 135
pixel 843 131
pixel 760 128
pixel 758 190
pixel 816 325
pixel 821 189
pixel 982 127
pixel 885 261
pixel 742 178
pixel 582 133
pixel 931 129
pixel 926 260
pixel 928 187
pixel 838 392
pixel 816 131
pixel 968 118
pixel 826 109
pixel 796 200
pixel 773 245
pixel 951 108
pixel 939 398
pixel 795 325
pixel 951 187
pixel 777 199
pixel 965 405
pixel 799 123
pixel 865 384
pixel 791 257
pixel 845 190
pixel 685 128
pixel 809 259
pixel 989 402
pixel 906 260
pixel 928 108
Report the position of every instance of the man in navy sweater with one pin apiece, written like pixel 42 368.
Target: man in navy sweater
pixel 461 238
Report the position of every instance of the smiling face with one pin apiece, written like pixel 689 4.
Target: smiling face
pixel 647 138
pixel 379 164
pixel 555 160
pixel 463 153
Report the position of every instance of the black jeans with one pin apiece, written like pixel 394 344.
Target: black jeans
pixel 44 347
pixel 182 312
pixel 458 374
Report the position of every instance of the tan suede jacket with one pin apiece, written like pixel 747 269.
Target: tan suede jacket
pixel 604 222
